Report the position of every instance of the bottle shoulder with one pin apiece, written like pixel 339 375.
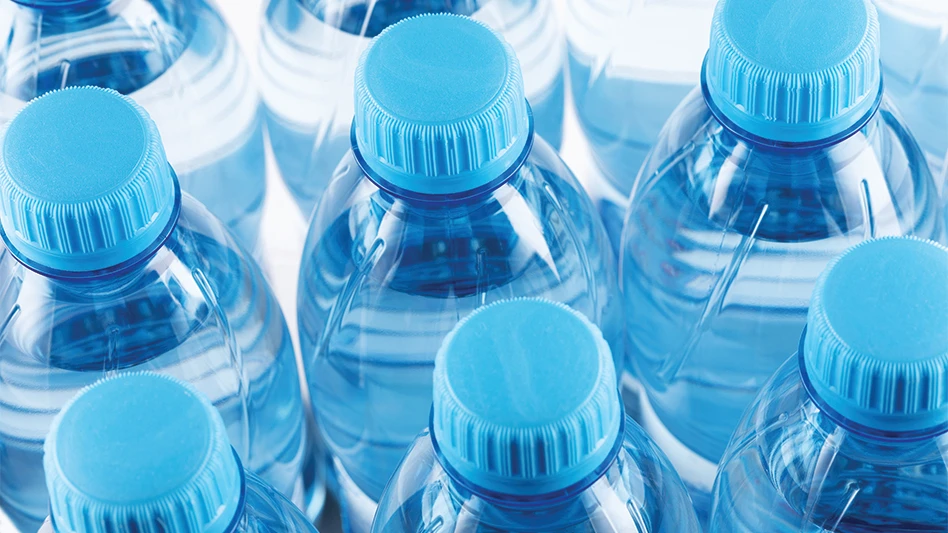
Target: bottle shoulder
pixel 355 197
pixel 198 279
pixel 791 461
pixel 874 182
pixel 637 492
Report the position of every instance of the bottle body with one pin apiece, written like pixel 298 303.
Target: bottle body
pixel 198 309
pixel 636 491
pixel 834 479
pixel 310 50
pixel 384 279
pixel 631 64
pixel 265 510
pixel 723 243
pixel 915 64
pixel 176 58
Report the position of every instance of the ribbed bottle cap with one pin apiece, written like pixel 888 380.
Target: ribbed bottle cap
pixel 794 70
pixel 525 398
pixel 876 347
pixel 84 181
pixel 440 106
pixel 141 452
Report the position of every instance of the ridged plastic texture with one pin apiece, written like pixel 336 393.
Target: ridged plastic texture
pixel 876 347
pixel 141 452
pixel 440 105
pixel 794 70
pixel 525 397
pixel 84 180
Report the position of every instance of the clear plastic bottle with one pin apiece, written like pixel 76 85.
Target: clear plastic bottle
pixel 630 64
pixel 309 51
pixel 176 58
pixel 149 453
pixel 752 189
pixel 851 435
pixel 915 63
pixel 107 267
pixel 446 201
pixel 528 435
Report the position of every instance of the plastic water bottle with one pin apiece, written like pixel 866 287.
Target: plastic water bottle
pixel 850 435
pixel 787 155
pixel 631 63
pixel 915 62
pixel 148 453
pixel 446 201
pixel 528 434
pixel 176 58
pixel 309 51
pixel 107 267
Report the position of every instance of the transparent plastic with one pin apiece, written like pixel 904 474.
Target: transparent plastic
pixel 264 510
pixel 790 467
pixel 309 51
pixel 915 64
pixel 385 278
pixel 636 490
pixel 195 306
pixel 176 58
pixel 724 240
pixel 631 63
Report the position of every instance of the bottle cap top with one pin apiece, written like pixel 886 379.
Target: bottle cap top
pixel 525 398
pixel 876 347
pixel 85 182
pixel 440 106
pixel 141 452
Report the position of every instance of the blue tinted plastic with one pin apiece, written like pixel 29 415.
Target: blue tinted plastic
pixel 723 243
pixel 177 59
pixel 631 63
pixel 384 279
pixel 196 308
pixel 791 467
pixel 636 490
pixel 915 65
pixel 310 50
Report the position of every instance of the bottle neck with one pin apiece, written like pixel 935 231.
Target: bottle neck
pixel 368 19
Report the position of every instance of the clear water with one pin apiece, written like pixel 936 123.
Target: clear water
pixel 791 469
pixel 723 243
pixel 915 65
pixel 631 64
pixel 265 511
pixel 636 491
pixel 309 51
pixel 198 309
pixel 176 58
pixel 383 280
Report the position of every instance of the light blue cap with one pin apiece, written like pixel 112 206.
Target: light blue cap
pixel 141 452
pixel 440 106
pixel 794 70
pixel 876 347
pixel 84 181
pixel 525 398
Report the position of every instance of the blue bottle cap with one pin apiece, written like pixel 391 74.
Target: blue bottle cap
pixel 525 398
pixel 84 180
pixel 440 106
pixel 876 347
pixel 794 70
pixel 141 452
